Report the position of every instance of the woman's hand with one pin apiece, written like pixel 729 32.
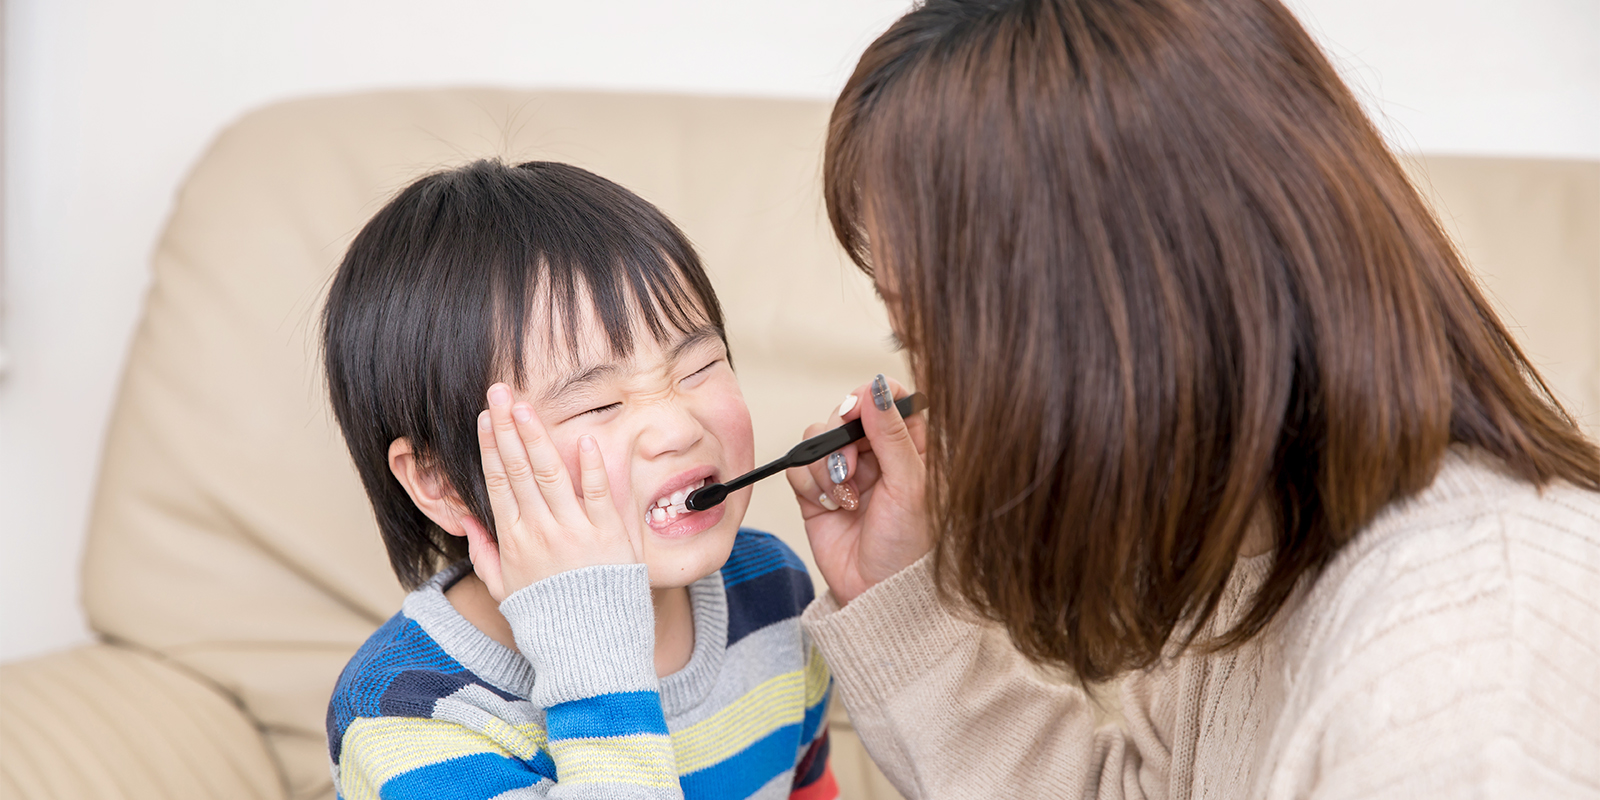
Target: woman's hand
pixel 544 527
pixel 885 476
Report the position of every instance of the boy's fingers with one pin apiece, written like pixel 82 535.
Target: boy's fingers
pixel 513 454
pixel 550 479
pixel 522 444
pixel 501 498
pixel 485 555
pixel 597 500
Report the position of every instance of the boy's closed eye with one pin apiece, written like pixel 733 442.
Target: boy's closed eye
pixel 699 375
pixel 690 380
pixel 598 410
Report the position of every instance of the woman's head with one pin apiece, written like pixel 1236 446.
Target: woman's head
pixel 1160 278
pixel 577 293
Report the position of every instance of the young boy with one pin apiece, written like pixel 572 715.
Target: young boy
pixel 603 641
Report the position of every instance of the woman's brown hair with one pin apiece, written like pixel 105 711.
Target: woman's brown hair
pixel 1160 279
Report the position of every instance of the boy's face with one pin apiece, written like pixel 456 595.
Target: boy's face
pixel 668 418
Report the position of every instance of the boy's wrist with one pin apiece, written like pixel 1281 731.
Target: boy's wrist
pixel 587 632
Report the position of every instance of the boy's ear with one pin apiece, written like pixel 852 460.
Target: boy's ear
pixel 427 489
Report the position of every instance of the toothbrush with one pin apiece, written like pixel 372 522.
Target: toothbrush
pixel 803 453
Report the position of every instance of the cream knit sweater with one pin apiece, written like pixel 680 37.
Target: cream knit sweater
pixel 1451 650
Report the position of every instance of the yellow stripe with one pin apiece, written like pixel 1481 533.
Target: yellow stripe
pixel 376 750
pixel 773 704
pixel 816 677
pixel 643 760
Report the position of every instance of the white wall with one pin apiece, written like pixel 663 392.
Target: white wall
pixel 108 103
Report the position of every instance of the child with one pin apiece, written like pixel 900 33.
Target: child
pixel 584 318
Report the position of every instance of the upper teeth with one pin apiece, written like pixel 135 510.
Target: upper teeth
pixel 674 502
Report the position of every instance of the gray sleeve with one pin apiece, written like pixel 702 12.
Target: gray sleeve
pixel 590 636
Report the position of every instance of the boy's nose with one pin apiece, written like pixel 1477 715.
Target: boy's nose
pixel 669 428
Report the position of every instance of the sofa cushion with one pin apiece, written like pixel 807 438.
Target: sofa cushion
pixel 111 723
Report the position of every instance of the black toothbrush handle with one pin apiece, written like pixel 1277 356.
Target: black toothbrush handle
pixel 828 441
pixel 800 455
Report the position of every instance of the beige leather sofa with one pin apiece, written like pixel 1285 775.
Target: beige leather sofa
pixel 233 565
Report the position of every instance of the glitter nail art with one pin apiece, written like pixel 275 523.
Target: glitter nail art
pixel 845 495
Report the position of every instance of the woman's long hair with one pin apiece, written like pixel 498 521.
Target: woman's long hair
pixel 1160 278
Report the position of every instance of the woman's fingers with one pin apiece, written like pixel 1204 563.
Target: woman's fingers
pixel 897 452
pixel 806 490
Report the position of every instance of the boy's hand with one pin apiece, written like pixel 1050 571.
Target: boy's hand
pixel 544 527
pixel 887 529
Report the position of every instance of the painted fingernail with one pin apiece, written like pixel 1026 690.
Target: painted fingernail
pixel 845 495
pixel 849 403
pixel 880 393
pixel 499 395
pixel 827 502
pixel 838 470
pixel 483 421
pixel 521 412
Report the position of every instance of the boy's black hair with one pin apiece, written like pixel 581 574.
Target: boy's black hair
pixel 434 302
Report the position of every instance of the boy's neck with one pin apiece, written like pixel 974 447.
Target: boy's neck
pixel 674 629
pixel 673 612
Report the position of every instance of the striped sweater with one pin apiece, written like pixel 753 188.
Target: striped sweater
pixel 431 707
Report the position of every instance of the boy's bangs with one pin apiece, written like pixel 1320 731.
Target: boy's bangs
pixel 589 252
pixel 642 294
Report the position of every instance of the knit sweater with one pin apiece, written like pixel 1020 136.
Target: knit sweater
pixel 1452 649
pixel 431 707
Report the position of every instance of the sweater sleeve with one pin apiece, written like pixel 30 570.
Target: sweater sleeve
pixel 948 708
pixel 590 636
pixel 420 728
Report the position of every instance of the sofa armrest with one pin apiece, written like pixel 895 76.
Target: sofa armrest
pixel 109 722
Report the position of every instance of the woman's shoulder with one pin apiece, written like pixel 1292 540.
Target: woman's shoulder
pixel 1461 621
pixel 1478 538
pixel 1478 529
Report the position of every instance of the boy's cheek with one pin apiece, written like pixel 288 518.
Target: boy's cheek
pixel 739 433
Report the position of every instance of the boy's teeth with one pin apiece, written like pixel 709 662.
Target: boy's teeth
pixel 670 506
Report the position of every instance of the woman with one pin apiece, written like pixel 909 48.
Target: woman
pixel 1215 406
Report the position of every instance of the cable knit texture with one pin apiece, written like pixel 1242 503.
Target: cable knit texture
pixel 1451 650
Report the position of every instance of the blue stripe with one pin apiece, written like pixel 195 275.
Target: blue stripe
pixel 756 554
pixel 770 599
pixel 813 718
pixel 399 646
pixel 475 777
pixel 543 765
pixel 746 771
pixel 617 714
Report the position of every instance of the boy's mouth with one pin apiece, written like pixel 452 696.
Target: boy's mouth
pixel 669 507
